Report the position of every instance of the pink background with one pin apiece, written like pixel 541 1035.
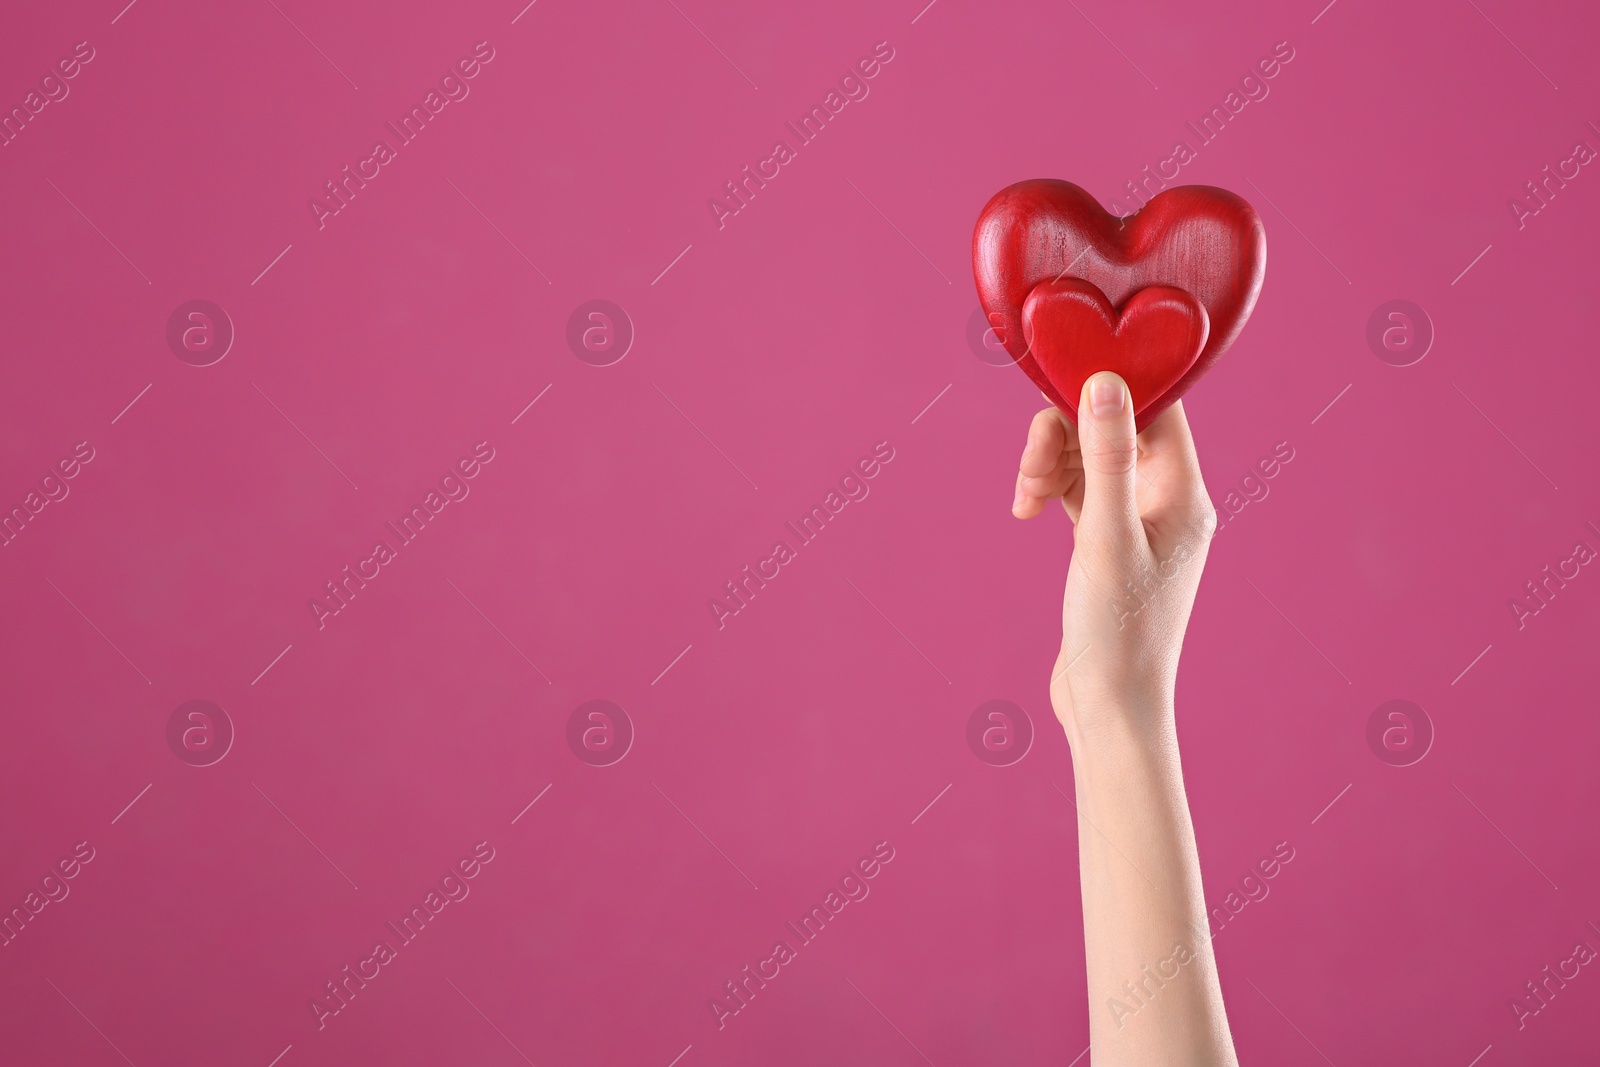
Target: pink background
pixel 772 754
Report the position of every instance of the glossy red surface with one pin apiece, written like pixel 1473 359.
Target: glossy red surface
pixel 1072 331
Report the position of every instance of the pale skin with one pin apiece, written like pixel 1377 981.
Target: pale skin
pixel 1142 522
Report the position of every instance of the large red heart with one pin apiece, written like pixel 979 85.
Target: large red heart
pixel 1072 331
pixel 1205 241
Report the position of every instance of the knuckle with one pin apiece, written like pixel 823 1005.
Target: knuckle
pixel 1115 457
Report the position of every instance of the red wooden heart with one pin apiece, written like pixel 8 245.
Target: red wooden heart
pixel 1205 241
pixel 1072 331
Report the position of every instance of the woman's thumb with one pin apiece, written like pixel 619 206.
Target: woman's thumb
pixel 1109 442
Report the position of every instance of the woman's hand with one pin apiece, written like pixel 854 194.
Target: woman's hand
pixel 1142 523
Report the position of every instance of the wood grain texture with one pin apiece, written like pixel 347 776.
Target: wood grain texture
pixel 1205 241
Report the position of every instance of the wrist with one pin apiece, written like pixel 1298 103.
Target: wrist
pixel 1133 729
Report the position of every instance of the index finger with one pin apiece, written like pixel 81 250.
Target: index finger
pixel 1049 435
pixel 1169 446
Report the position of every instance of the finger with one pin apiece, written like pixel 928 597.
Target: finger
pixel 1025 505
pixel 1168 447
pixel 1170 461
pixel 1107 440
pixel 1048 439
pixel 1058 482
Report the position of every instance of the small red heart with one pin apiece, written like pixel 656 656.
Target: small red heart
pixel 1072 331
pixel 1207 242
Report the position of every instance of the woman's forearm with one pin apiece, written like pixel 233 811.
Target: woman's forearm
pixel 1142 524
pixel 1154 997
